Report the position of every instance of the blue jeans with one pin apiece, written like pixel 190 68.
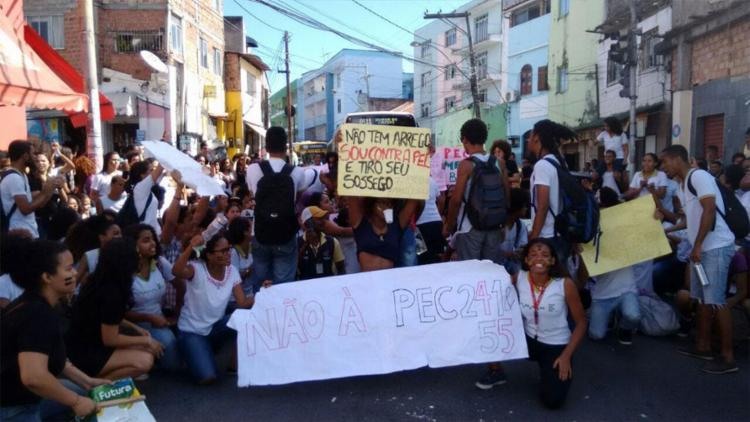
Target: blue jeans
pixel 601 309
pixel 198 350
pixel 47 410
pixel 24 413
pixel 408 256
pixel 716 264
pixel 274 262
pixel 170 360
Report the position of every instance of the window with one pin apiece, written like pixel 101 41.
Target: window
pixel 425 109
pixel 542 84
pixel 564 8
pixel 450 72
pixel 50 28
pixel 482 96
pixel 450 37
pixel 526 80
pixel 217 61
pixel 426 79
pixel 614 72
pixel 524 15
pixel 251 82
pixel 135 41
pixel 338 105
pixel 481 28
pixel 481 64
pixel 175 34
pixel 562 79
pixel 449 103
pixel 203 53
pixel 338 80
pixel 425 49
pixel 648 59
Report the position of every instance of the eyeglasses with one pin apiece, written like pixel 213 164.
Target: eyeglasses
pixel 223 250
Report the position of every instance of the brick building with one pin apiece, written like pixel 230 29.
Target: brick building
pixel 709 45
pixel 187 103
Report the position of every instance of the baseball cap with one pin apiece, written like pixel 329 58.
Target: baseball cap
pixel 312 212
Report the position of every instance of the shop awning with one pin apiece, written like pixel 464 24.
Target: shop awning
pixel 260 130
pixel 25 78
pixel 69 75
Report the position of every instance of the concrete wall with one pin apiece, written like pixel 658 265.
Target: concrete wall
pixel 571 45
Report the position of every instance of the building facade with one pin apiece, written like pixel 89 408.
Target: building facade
pixel 350 81
pixel 246 90
pixel 277 104
pixel 527 36
pixel 187 103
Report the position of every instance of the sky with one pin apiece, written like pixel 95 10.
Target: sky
pixel 309 48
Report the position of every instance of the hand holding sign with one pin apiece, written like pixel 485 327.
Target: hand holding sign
pixel 383 161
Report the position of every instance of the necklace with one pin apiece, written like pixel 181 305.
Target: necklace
pixel 536 300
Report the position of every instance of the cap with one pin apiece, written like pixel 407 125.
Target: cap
pixel 312 212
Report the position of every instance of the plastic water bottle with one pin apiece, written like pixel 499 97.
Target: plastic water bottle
pixel 217 225
pixel 701 273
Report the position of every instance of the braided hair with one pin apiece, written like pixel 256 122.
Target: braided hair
pixel 551 135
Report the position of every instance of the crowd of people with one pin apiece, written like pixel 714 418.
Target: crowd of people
pixel 142 272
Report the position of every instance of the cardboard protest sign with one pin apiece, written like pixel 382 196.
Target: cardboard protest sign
pixel 379 322
pixel 452 157
pixel 630 234
pixel 192 174
pixel 120 401
pixel 384 161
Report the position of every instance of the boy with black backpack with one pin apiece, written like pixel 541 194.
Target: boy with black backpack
pixel 275 184
pixel 479 204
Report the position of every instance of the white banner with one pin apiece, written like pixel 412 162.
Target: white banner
pixel 379 322
pixel 192 174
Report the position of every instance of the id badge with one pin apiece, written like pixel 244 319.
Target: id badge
pixel 318 268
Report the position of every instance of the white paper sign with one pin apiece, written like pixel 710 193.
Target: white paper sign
pixel 379 322
pixel 192 174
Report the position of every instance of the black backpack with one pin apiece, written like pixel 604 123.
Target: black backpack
pixel 275 220
pixel 487 206
pixel 128 214
pixel 5 218
pixel 578 220
pixel 734 213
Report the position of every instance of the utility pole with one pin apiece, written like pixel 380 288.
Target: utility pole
pixel 94 145
pixel 472 60
pixel 633 61
pixel 288 97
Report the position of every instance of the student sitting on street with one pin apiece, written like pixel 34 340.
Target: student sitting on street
pixel 320 255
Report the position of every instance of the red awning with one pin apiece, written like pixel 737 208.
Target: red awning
pixel 69 74
pixel 26 79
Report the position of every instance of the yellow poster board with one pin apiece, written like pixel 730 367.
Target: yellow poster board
pixel 630 234
pixel 384 161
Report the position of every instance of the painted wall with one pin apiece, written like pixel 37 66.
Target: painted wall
pixel 528 44
pixel 571 45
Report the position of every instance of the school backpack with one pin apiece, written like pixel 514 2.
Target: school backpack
pixel 734 213
pixel 129 215
pixel 578 219
pixel 5 218
pixel 275 220
pixel 486 206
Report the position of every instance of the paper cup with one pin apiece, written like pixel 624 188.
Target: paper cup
pixel 388 214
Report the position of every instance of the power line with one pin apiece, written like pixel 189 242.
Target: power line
pixel 388 20
pixel 256 18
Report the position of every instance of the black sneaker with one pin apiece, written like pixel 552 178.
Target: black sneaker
pixel 625 337
pixel 720 366
pixel 695 353
pixel 491 378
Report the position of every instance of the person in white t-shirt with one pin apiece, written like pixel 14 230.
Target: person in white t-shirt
pixel 144 175
pixel 210 282
pixel 614 139
pixel 430 225
pixel 713 248
pixel 18 206
pixel 649 181
pixel 116 197
pixel 609 175
pixel 102 180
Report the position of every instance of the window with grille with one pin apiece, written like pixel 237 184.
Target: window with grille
pixel 481 65
pixel 481 28
pixel 450 72
pixel 203 53
pixel 542 84
pixel 135 41
pixel 425 109
pixel 614 72
pixel 426 79
pixel 562 79
pixel 251 82
pixel 482 96
pixel 217 61
pixel 450 37
pixel 526 80
pixel 175 34
pixel 425 49
pixel 524 15
pixel 50 28
pixel 648 58
pixel 449 103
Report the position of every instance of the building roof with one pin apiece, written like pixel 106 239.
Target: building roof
pixel 255 61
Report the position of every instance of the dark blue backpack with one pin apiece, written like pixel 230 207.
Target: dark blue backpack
pixel 578 220
pixel 486 206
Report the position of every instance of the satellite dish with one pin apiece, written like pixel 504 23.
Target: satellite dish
pixel 154 62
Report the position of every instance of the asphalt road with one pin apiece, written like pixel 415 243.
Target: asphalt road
pixel 647 381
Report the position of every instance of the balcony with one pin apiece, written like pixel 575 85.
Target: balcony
pixel 492 40
pixel 315 121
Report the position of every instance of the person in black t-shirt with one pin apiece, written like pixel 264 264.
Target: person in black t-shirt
pixel 32 348
pixel 95 342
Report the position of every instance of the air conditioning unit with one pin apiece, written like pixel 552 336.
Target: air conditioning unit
pixel 512 96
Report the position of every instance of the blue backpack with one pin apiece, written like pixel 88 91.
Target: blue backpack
pixel 578 219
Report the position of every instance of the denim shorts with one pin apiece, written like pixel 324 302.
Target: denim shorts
pixel 716 264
